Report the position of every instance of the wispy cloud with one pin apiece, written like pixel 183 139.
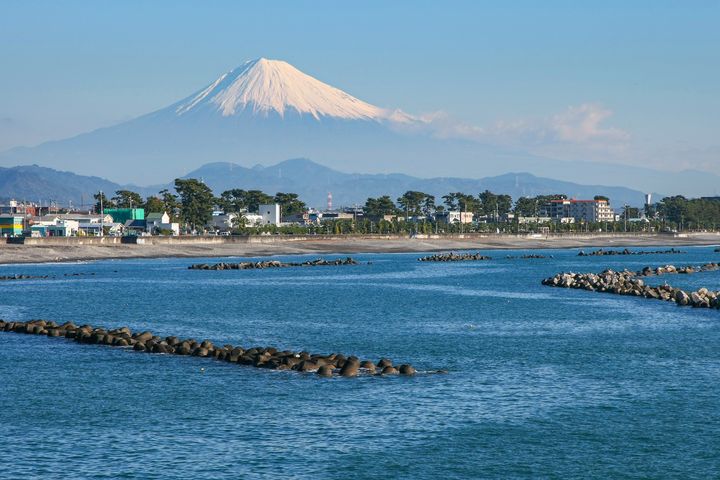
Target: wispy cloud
pixel 578 125
pixel 583 124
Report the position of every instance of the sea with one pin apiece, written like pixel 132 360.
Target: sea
pixel 541 382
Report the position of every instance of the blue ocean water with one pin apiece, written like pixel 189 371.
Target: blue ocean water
pixel 543 382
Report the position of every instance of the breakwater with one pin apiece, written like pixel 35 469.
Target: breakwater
pixel 525 257
pixel 40 277
pixel 23 277
pixel 453 257
pixel 320 262
pixel 672 269
pixel 601 252
pixel 261 357
pixel 627 283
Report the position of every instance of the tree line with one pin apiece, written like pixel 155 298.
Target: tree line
pixel 681 213
pixel 193 203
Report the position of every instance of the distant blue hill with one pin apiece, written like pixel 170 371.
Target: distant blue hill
pixel 45 185
pixel 313 182
pixel 310 180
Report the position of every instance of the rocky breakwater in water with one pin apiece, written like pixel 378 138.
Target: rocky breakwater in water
pixel 261 357
pixel 672 269
pixel 525 257
pixel 627 283
pixel 453 257
pixel 22 277
pixel 39 277
pixel 601 252
pixel 320 262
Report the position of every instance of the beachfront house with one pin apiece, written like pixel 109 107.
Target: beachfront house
pixel 270 214
pixel 157 222
pixel 453 216
pixel 63 228
pixel 11 225
pixel 122 215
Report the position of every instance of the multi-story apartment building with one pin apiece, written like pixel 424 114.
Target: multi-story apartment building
pixel 579 210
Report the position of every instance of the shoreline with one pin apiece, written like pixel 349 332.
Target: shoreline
pixel 73 250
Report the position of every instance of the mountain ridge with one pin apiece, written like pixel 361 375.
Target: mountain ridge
pixel 311 180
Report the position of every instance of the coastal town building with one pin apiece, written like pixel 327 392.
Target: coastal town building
pixel 270 214
pixel 122 215
pixel 63 228
pixel 336 215
pixel 526 220
pixel 27 209
pixel 157 222
pixel 226 222
pixel 252 219
pixel 223 222
pixel 11 224
pixel 77 217
pixel 302 218
pixel 71 224
pixel 452 216
pixel 597 210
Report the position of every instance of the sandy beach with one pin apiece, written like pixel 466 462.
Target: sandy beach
pixel 39 253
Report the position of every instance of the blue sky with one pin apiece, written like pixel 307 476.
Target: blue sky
pixel 628 82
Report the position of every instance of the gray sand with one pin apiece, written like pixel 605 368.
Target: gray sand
pixel 282 246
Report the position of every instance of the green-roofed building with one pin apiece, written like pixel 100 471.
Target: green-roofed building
pixel 122 215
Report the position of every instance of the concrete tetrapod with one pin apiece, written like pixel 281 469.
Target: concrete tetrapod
pixel 260 357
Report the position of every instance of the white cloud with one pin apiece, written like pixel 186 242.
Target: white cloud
pixel 581 125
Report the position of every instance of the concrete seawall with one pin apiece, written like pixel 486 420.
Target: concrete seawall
pixel 60 249
pixel 275 239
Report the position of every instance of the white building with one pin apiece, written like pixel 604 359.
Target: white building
pixel 64 228
pixel 156 222
pixel 533 219
pixel 453 216
pixel 270 214
pixel 579 210
pixel 226 222
pixel 76 217
pixel 223 222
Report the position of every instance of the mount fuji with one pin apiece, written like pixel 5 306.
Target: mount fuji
pixel 266 111
pixel 261 112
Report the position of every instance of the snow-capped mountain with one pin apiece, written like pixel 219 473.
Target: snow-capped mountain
pixel 263 86
pixel 266 111
pixel 261 112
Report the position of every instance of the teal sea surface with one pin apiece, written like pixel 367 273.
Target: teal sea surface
pixel 542 382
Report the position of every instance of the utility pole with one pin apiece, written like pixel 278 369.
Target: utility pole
pixel 355 207
pixel 407 214
pixel 625 217
pixel 102 216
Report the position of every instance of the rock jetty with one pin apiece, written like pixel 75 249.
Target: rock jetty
pixel 454 257
pixel 23 277
pixel 601 252
pixel 671 269
pixel 40 277
pixel 627 283
pixel 332 365
pixel 320 262
pixel 532 255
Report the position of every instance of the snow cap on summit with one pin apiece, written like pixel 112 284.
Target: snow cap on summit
pixel 262 86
